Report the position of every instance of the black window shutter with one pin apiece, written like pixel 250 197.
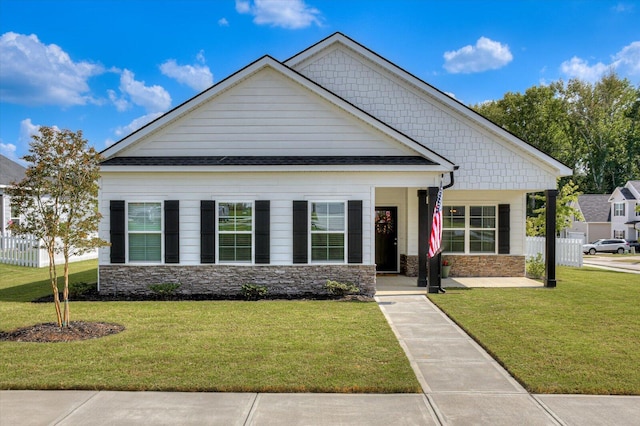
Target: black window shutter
pixel 300 232
pixel 354 231
pixel 172 231
pixel 263 231
pixel 207 231
pixel 504 229
pixel 117 225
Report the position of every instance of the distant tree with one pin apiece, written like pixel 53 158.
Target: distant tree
pixel 565 212
pixel 593 128
pixel 539 117
pixel 58 199
pixel 603 120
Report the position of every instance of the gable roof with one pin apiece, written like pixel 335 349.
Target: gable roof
pixel 595 207
pixel 10 171
pixel 635 184
pixel 432 92
pixel 627 194
pixel 267 62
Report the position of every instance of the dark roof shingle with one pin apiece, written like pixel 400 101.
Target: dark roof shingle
pixel 10 171
pixel 595 207
pixel 269 161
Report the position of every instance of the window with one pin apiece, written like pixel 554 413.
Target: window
pixel 14 216
pixel 482 229
pixel 469 229
pixel 637 209
pixel 618 209
pixel 453 229
pixel 617 234
pixel 328 224
pixel 235 232
pixel 144 227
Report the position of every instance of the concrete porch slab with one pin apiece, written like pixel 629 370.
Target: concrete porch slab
pixel 387 285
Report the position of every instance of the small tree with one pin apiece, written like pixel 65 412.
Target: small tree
pixel 59 203
pixel 565 212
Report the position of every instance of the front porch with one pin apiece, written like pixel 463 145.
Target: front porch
pixel 387 285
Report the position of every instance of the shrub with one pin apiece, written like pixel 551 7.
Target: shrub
pixel 339 289
pixel 254 291
pixel 164 289
pixel 82 289
pixel 535 266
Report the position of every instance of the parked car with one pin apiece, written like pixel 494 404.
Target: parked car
pixel 613 245
pixel 634 244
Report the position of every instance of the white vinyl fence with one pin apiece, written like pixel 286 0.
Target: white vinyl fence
pixel 23 251
pixel 568 250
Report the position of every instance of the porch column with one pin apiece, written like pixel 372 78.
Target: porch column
pixel 434 262
pixel 550 238
pixel 424 228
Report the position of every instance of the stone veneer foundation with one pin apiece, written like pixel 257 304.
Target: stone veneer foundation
pixel 286 281
pixel 473 265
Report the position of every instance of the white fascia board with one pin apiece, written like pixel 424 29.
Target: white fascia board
pixel 273 169
pixel 453 104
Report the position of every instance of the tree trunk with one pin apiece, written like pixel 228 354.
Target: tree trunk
pixel 53 276
pixel 65 295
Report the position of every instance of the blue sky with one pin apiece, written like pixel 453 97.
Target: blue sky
pixel 106 67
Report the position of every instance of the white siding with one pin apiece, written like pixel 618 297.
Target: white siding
pixel 267 114
pixel 486 160
pixel 280 188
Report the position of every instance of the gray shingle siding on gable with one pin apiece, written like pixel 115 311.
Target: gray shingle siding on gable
pixel 595 207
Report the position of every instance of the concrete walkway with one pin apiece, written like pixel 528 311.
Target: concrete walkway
pixel 462 385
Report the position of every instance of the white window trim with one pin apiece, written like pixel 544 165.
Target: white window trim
pixel 467 229
pixel 253 233
pixel 620 204
pixel 161 232
pixel 344 232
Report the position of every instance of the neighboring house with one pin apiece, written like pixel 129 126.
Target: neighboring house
pixel 625 221
pixel 596 210
pixel 287 174
pixel 10 171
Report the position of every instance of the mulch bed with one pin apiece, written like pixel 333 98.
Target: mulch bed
pixel 50 332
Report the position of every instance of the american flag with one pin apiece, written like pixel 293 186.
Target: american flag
pixel 435 240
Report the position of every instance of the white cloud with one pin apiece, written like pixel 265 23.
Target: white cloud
pixel 579 68
pixel 8 150
pixel 120 102
pixel 485 55
pixel 152 98
pixel 198 77
pixel 289 14
pixel 626 63
pixel 33 73
pixel 223 22
pixel 136 124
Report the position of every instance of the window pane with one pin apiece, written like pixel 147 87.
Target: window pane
pixel 482 241
pixel 453 217
pixel 327 247
pixel 482 217
pixel 235 216
pixel 327 216
pixel 144 247
pixel 145 217
pixel 453 241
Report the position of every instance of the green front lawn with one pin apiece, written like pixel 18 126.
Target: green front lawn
pixel 266 346
pixel 581 337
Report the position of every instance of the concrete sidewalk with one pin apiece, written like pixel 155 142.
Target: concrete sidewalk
pixel 462 385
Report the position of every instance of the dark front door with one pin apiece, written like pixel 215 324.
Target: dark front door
pixel 386 239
